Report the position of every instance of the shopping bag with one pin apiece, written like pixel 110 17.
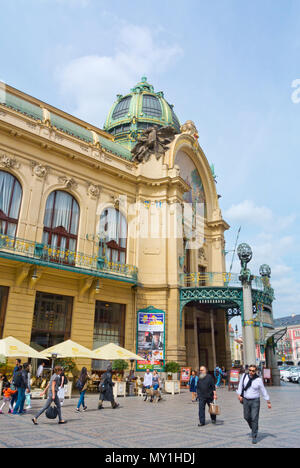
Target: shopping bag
pixel 27 399
pixel 214 409
pixel 52 412
pixel 61 394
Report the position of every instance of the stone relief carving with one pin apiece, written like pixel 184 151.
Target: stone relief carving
pixel 202 255
pixel 39 170
pixel 8 161
pixel 68 182
pixel 190 129
pixel 93 190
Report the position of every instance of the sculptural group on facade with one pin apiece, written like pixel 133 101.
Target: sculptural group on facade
pixel 154 140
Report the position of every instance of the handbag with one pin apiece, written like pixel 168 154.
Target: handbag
pixel 214 409
pixel 52 412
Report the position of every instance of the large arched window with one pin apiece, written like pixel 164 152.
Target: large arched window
pixel 10 203
pixel 61 221
pixel 113 226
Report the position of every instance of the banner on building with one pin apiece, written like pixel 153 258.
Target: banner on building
pixel 151 339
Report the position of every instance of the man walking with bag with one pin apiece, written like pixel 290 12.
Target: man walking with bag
pixel 106 389
pixel 206 392
pixel 250 388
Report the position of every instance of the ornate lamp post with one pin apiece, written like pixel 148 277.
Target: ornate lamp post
pixel 270 345
pixel 245 255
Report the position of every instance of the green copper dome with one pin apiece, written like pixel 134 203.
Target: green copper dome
pixel 140 109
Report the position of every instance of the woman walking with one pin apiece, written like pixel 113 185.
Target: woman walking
pixel 52 396
pixel 193 386
pixel 82 387
pixel 156 386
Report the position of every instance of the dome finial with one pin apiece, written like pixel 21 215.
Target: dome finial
pixel 144 79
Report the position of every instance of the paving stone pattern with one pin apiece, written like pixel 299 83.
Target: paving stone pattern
pixel 172 423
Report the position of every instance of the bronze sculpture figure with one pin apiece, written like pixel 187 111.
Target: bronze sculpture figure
pixel 154 140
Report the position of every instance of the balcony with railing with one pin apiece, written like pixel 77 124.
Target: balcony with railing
pixel 44 255
pixel 221 280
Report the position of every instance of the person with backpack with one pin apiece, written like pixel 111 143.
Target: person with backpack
pixel 218 376
pixel 106 389
pixel 21 384
pixel 250 388
pixel 17 369
pixel 53 387
pixel 82 385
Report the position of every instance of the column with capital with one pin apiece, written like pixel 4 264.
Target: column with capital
pixel 245 256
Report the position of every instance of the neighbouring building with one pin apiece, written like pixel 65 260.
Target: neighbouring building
pixel 288 346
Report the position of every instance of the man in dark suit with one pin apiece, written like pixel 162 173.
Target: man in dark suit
pixel 206 392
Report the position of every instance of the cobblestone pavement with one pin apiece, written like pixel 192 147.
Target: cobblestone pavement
pixel 172 423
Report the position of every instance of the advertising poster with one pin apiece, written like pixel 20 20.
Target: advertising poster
pixel 234 376
pixel 151 340
pixel 185 375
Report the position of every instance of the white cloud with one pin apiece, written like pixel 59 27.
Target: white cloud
pixel 273 240
pixel 249 213
pixel 93 81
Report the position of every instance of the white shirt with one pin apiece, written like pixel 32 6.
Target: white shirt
pixel 40 371
pixel 148 380
pixel 255 390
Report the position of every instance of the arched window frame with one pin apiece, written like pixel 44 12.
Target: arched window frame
pixel 61 232
pixel 7 219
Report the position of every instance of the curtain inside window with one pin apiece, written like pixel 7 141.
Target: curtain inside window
pixel 65 208
pixel 10 201
pixel 113 226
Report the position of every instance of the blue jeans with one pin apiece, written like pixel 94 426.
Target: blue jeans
pixel 81 399
pixel 14 399
pixel 19 408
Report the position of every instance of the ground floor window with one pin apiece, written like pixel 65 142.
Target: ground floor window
pixel 109 327
pixel 3 304
pixel 51 321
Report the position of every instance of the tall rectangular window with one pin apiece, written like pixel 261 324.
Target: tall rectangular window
pixel 3 304
pixel 51 321
pixel 109 327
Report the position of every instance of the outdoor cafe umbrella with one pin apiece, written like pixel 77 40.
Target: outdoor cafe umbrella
pixel 112 352
pixel 12 348
pixel 69 349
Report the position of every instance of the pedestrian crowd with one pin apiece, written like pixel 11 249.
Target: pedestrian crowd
pixel 203 387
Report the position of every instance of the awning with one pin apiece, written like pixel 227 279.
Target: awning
pixel 276 334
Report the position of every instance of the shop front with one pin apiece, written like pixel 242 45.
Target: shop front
pixel 109 327
pixel 52 320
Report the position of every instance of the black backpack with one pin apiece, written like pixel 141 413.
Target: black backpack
pixel 18 380
pixel 79 385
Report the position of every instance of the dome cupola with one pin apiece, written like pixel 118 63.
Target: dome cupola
pixel 142 108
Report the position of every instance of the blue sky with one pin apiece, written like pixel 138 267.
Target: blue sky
pixel 225 64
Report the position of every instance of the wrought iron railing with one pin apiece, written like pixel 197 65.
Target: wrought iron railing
pixel 211 279
pixel 46 254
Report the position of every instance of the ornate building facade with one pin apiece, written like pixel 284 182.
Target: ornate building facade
pixel 94 236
